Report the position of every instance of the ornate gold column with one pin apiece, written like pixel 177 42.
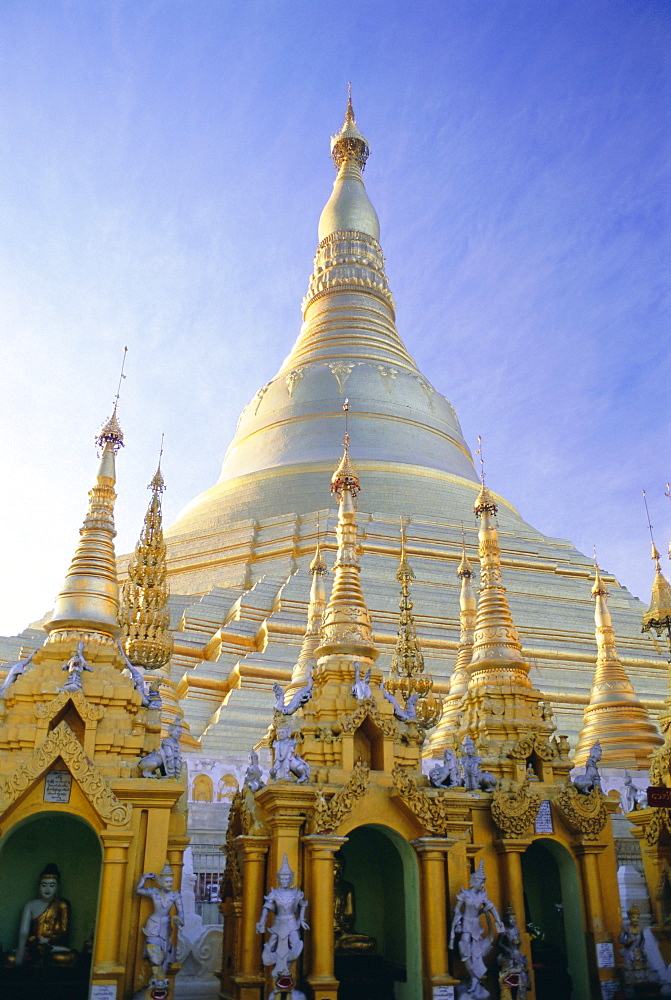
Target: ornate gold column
pixel 321 848
pixel 510 867
pixel 589 870
pixel 249 979
pixel 432 853
pixel 107 961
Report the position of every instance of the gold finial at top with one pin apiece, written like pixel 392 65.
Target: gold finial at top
pixel 599 589
pixel 349 143
pixel 345 476
pixel 485 503
pixel 157 484
pixel 110 432
pixel 405 571
pixel 465 569
pixel 654 553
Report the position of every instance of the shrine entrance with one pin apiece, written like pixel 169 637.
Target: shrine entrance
pixel 73 846
pixel 553 907
pixel 382 868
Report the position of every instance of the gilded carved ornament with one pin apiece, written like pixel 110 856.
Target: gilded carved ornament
pixel 432 811
pixel 88 712
pixel 586 814
pixel 329 814
pixel 515 808
pixel 660 764
pixel 365 710
pixel 63 743
pixel 538 744
pixel 659 825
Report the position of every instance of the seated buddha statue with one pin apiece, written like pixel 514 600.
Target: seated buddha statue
pixel 344 914
pixel 44 925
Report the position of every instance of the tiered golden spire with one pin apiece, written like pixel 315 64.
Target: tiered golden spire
pixel 307 659
pixel 349 144
pixel 346 619
pixel 145 618
pixel 614 715
pixel 88 602
pixel 443 734
pixel 408 675
pixel 500 704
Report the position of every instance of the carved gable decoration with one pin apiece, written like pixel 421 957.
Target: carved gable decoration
pixel 430 810
pixel 89 712
pixel 515 809
pixel 329 815
pixel 528 745
pixel 586 814
pixel 367 709
pixel 658 829
pixel 62 742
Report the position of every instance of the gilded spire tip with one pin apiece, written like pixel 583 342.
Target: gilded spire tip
pixel 345 476
pixel 349 143
pixel 599 589
pixel 465 569
pixel 110 432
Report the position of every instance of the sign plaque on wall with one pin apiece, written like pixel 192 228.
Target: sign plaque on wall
pixel 103 991
pixel 605 955
pixel 543 822
pixel 57 787
pixel 443 993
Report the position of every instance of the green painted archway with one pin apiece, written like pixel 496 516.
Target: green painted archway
pixel 383 868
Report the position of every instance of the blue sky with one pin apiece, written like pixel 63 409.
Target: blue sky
pixel 164 169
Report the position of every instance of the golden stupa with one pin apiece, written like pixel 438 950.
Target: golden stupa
pixel 243 548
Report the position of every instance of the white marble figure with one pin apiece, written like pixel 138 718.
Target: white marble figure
pixel 16 670
pixel 75 665
pixel 284 944
pixel 632 797
pixel 301 697
pixel 44 924
pixel 361 687
pixel 286 761
pixel 159 948
pixel 253 777
pixel 512 963
pixel 447 774
pixel 166 762
pixel 591 779
pixel 474 945
pixel 150 695
pixel 406 714
pixel 474 777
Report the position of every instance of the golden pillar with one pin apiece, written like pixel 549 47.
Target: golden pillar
pixel 175 858
pixel 512 891
pixel 601 970
pixel 252 851
pixel 321 977
pixel 432 853
pixel 107 962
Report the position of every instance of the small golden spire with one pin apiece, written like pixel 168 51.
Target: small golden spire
pixel 443 735
pixel 408 675
pixel 614 715
pixel 349 145
pixel 346 619
pixel 88 602
pixel 144 617
pixel 312 638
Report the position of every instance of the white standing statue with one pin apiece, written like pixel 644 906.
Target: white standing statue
pixel 284 944
pixel 286 762
pixel 159 947
pixel 474 945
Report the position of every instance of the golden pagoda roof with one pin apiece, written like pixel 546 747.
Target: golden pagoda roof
pixel 658 615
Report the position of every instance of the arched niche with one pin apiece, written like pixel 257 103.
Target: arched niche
pixel 31 844
pixel 383 869
pixel 202 790
pixel 553 902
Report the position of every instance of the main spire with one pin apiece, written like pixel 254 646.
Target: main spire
pixel 614 715
pixel 349 208
pixel 88 601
